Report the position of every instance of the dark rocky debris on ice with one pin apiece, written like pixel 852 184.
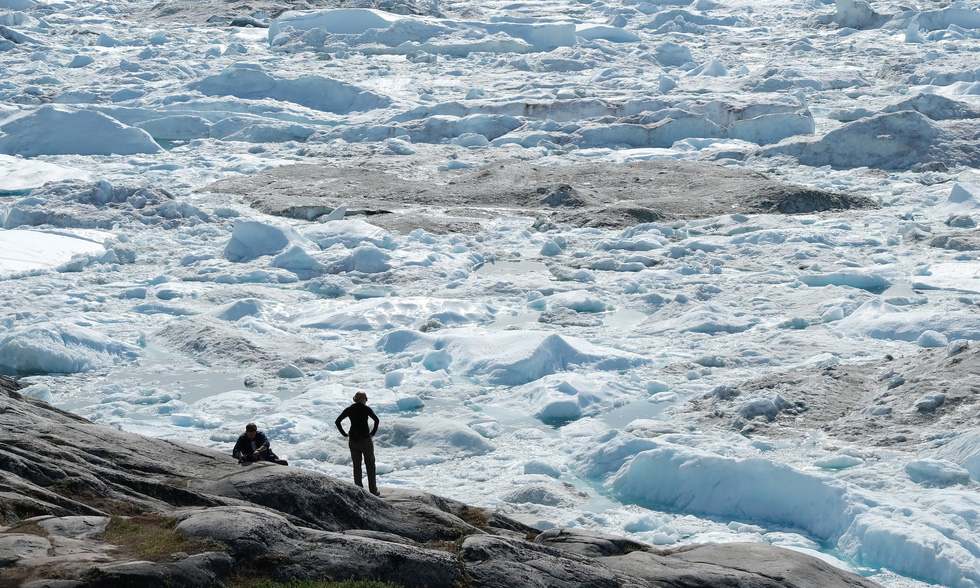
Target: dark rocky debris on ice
pixel 594 194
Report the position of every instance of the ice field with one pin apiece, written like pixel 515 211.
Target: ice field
pixel 807 380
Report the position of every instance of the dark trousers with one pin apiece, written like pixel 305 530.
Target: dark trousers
pixel 363 448
pixel 265 456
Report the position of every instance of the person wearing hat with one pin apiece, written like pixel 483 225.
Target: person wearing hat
pixel 253 445
pixel 359 439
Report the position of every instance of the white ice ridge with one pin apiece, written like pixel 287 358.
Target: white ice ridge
pixel 83 132
pixel 562 397
pixel 381 314
pixel 60 347
pixel 380 32
pixel 18 174
pixel 866 526
pixel 247 80
pixel 880 320
pixel 505 358
pixel 24 252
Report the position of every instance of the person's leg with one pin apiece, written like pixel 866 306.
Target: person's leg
pixel 369 463
pixel 355 456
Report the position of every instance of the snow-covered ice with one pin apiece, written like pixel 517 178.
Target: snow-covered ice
pixel 800 378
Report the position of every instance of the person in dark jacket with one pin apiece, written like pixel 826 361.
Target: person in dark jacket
pixel 253 445
pixel 359 439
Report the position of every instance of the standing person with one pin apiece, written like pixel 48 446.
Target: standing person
pixel 359 438
pixel 253 445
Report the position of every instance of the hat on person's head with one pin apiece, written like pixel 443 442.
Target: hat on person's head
pixel 359 396
pixel 251 427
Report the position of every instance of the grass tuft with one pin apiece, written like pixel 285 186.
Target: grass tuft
pixel 28 528
pixel 476 517
pixel 153 537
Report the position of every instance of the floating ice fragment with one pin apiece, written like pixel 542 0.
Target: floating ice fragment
pixel 931 339
pixel 832 314
pixel 672 54
pixel 755 489
pixel 290 371
pixel 298 261
pixel 18 4
pixel 61 130
pixel 880 320
pixel 437 360
pixel 399 147
pixel 351 233
pixel 105 40
pixel 956 347
pixel 55 347
pixel 407 403
pixel 855 14
pixel 16 37
pixel 248 81
pixel 705 318
pixel 382 314
pixel 241 308
pixel 439 438
pixel 838 462
pixel 614 34
pixel 80 61
pixel 551 248
pixel 253 239
pixel 936 472
pixel 176 127
pixel 764 403
pixel 912 33
pixel 579 301
pixel 39 391
pixel 470 140
pixel 541 468
pixel 509 357
pixel 964 450
pixel 367 259
pixel 559 399
pixel 863 279
pixel 896 140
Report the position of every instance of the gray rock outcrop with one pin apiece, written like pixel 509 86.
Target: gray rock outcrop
pixel 109 508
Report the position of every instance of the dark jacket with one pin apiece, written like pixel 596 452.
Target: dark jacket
pixel 245 445
pixel 358 415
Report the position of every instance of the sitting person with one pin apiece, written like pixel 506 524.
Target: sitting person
pixel 253 445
